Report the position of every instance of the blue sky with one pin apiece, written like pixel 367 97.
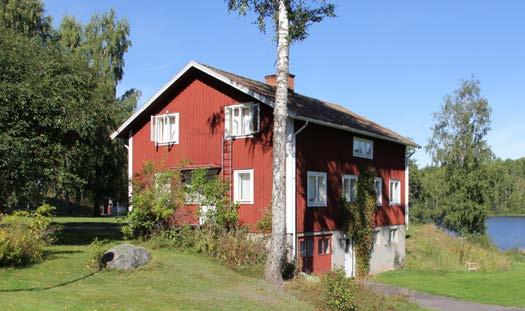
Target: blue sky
pixel 392 61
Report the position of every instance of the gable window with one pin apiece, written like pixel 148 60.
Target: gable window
pixel 378 187
pixel 363 148
pixel 392 235
pixel 241 120
pixel 323 246
pixel 165 129
pixel 307 247
pixel 395 192
pixel 243 186
pixel 350 188
pixel 316 189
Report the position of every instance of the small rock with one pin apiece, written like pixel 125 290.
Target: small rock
pixel 125 256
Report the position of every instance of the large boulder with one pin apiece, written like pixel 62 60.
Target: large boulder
pixel 125 256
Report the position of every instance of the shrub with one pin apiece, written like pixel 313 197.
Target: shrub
pixel 235 247
pixel 24 236
pixel 156 196
pixel 213 191
pixel 97 248
pixel 338 291
pixel 265 223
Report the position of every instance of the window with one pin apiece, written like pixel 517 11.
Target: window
pixel 363 148
pixel 316 189
pixel 193 196
pixel 205 212
pixel 377 238
pixel 378 187
pixel 323 246
pixel 165 129
pixel 350 188
pixel 162 183
pixel 307 247
pixel 395 192
pixel 392 235
pixel 243 186
pixel 241 120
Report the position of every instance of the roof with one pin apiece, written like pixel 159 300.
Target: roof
pixel 300 107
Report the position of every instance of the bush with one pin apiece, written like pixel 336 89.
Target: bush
pixel 265 223
pixel 24 236
pixel 156 196
pixel 97 248
pixel 235 247
pixel 338 291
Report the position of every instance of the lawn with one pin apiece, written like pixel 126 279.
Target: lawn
pixel 172 281
pixel 500 287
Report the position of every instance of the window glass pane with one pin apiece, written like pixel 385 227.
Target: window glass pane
pixel 309 247
pixel 173 129
pixel 247 120
pixel 236 124
pixel 353 189
pixel 322 189
pixel 302 246
pixel 320 247
pixel 312 185
pixel 346 189
pixel 245 186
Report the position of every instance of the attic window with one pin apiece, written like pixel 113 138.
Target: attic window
pixel 165 129
pixel 363 148
pixel 241 120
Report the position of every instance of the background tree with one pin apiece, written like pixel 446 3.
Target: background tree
pixel 25 17
pixel 57 137
pixel 459 147
pixel 291 20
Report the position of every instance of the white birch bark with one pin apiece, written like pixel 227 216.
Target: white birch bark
pixel 277 252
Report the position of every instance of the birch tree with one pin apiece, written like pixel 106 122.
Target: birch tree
pixel 291 20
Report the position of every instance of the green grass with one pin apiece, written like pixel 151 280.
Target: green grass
pixel 504 287
pixel 87 220
pixel 172 281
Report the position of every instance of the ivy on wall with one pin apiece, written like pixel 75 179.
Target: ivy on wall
pixel 359 219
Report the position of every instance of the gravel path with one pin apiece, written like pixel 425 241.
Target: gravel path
pixel 433 302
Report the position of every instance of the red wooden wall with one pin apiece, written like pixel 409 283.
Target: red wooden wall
pixel 200 102
pixel 329 150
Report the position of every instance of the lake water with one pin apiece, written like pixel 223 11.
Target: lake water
pixel 507 232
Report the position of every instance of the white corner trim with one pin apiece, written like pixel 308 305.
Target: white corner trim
pixel 130 168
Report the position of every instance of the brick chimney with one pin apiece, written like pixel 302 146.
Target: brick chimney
pixel 272 80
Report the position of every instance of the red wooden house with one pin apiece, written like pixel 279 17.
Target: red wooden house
pixel 222 122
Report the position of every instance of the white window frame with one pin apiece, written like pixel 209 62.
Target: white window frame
pixel 379 194
pixel 395 198
pixel 155 130
pixel 348 196
pixel 306 247
pixel 320 203
pixel 361 155
pixel 324 246
pixel 228 119
pixel 393 235
pixel 236 190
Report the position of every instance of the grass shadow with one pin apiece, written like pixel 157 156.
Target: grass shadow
pixel 37 289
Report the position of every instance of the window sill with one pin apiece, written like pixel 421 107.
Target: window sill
pixel 363 156
pixel 239 136
pixel 167 143
pixel 244 202
pixel 394 204
pixel 316 205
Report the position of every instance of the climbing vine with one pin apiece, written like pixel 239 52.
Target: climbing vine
pixel 359 219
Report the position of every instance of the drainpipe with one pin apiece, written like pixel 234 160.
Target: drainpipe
pixel 294 230
pixel 408 153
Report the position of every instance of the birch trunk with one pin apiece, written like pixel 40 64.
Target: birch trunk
pixel 277 252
